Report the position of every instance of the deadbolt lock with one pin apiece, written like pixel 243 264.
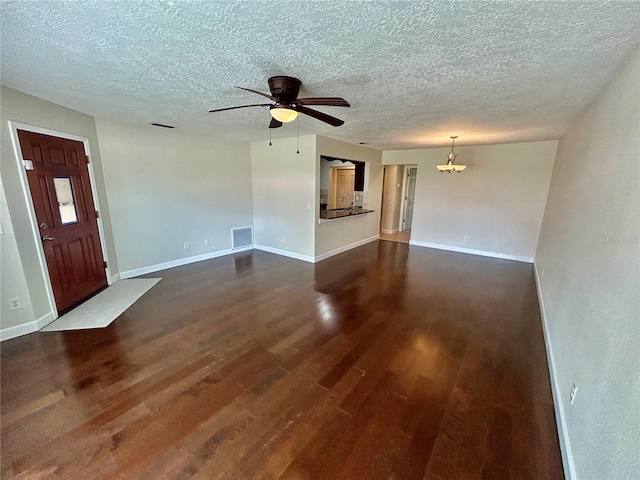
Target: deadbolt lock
pixel 43 225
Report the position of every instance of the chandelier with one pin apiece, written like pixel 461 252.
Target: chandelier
pixel 451 159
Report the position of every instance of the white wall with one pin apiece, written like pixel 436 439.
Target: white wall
pixel 12 279
pixel 589 252
pixel 22 263
pixel 286 202
pixel 285 198
pixel 337 235
pixel 498 201
pixel 167 187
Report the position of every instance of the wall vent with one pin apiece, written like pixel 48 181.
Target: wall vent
pixel 241 237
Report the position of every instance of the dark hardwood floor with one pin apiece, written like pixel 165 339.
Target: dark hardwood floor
pixel 387 361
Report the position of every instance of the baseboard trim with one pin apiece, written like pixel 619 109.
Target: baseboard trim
pixel 181 261
pixel 359 243
pixel 114 279
pixel 558 406
pixel 389 232
pixel 26 328
pixel 470 251
pixel 18 330
pixel 285 253
pixel 46 320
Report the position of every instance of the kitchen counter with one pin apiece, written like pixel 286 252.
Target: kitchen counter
pixel 343 212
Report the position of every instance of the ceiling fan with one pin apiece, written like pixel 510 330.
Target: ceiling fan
pixel 287 105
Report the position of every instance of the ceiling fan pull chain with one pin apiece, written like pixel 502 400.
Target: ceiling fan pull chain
pixel 298 136
pixel 269 137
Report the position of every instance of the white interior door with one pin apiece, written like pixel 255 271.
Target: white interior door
pixel 409 198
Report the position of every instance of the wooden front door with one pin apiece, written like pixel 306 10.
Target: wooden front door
pixel 58 178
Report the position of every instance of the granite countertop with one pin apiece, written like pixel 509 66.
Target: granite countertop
pixel 343 212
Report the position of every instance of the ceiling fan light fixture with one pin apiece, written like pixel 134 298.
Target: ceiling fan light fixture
pixel 283 114
pixel 451 158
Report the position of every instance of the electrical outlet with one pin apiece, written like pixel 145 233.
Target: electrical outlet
pixel 15 304
pixel 574 390
pixel 465 238
pixel 206 243
pixel 186 245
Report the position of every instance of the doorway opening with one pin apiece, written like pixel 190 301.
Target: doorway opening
pixel 398 198
pixel 341 187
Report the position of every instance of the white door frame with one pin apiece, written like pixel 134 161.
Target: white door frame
pixel 13 131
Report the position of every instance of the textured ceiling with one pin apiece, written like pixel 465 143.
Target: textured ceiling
pixel 414 72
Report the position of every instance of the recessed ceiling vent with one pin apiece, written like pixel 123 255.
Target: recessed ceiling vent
pixel 241 237
pixel 161 125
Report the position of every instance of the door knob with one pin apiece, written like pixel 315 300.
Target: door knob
pixel 47 238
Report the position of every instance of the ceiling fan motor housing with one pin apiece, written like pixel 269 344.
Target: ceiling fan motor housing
pixel 285 89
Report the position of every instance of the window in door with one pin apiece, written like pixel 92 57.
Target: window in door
pixel 66 203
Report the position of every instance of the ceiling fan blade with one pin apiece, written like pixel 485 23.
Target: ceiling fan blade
pixel 329 101
pixel 259 93
pixel 275 123
pixel 241 106
pixel 336 122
